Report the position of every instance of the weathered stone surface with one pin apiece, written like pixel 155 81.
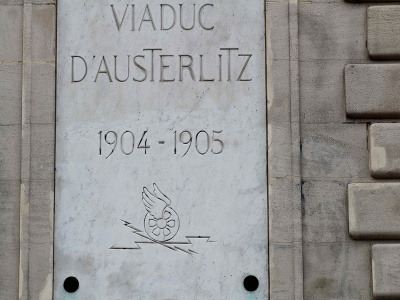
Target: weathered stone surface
pixel 280 210
pixel 384 32
pixel 43 93
pixel 277 31
pixel 374 210
pixel 42 151
pixel 100 189
pixel 337 271
pixel 373 90
pixel 43 32
pixel 334 150
pixel 384 150
pixel 279 141
pixel 324 211
pixel 10 93
pixel 331 30
pixel 9 261
pixel 322 91
pixel 10 143
pixel 281 274
pixel 386 271
pixel 11 32
pixel 9 238
pixel 278 93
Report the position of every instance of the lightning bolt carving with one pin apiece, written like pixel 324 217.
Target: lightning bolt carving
pixel 175 246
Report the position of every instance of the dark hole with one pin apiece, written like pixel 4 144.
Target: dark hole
pixel 250 283
pixel 71 284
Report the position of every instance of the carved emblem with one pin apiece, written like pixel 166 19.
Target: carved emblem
pixel 161 221
pixel 161 224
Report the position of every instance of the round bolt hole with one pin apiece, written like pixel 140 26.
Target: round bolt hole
pixel 250 283
pixel 71 284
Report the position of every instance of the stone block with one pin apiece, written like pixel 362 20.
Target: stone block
pixel 334 150
pixel 41 211
pixel 11 32
pixel 331 31
pixel 281 271
pixel 324 211
pixel 42 151
pixel 386 271
pixel 384 150
pixel 374 210
pixel 43 93
pixel 280 215
pixel 9 212
pixel 9 265
pixel 279 149
pixel 10 142
pixel 278 91
pixel 337 271
pixel 384 32
pixel 43 32
pixel 41 271
pixel 321 90
pixel 277 30
pixel 372 90
pixel 10 93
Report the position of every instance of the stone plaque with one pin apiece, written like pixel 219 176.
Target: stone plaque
pixel 161 178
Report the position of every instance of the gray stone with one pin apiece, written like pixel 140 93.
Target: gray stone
pixel 386 271
pixel 384 32
pixel 10 143
pixel 280 210
pixel 372 90
pixel 337 271
pixel 277 30
pixel 279 150
pixel 278 93
pixel 43 32
pixel 322 91
pixel 9 261
pixel 281 275
pixel 374 210
pixel 11 32
pixel 384 150
pixel 41 211
pixel 334 150
pixel 43 93
pixel 222 196
pixel 331 31
pixel 324 211
pixel 10 93
pixel 42 151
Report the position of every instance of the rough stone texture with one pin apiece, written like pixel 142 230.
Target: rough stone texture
pixel 10 93
pixel 43 32
pixel 334 150
pixel 384 32
pixel 386 271
pixel 337 271
pixel 384 158
pixel 331 31
pixel 372 91
pixel 374 210
pixel 11 33
pixel 322 91
pixel 43 93
pixel 325 211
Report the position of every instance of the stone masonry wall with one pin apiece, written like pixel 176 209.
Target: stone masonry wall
pixel 334 149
